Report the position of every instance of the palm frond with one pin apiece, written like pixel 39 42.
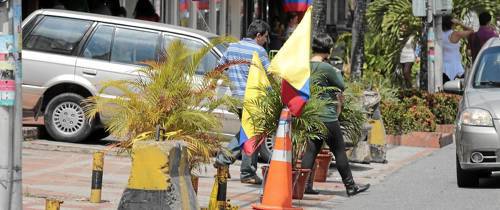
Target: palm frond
pixel 168 93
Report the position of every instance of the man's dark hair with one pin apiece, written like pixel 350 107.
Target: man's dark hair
pixel 484 18
pixel 447 24
pixel 256 27
pixel 292 15
pixel 322 43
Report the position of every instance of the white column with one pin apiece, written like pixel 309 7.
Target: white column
pixel 336 11
pixel 235 8
pixel 223 18
pixel 212 16
pixel 193 15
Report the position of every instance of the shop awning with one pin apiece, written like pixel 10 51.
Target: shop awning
pixel 296 5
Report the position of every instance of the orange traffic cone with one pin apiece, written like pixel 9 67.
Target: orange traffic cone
pixel 278 185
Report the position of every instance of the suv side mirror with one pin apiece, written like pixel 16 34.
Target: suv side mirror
pixel 454 86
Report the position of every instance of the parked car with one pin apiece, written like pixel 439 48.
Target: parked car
pixel 477 130
pixel 67 54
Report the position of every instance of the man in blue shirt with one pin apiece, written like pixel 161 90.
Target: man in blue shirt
pixel 257 37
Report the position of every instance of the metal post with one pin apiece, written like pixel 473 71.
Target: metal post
pixel 9 76
pixel 96 186
pixel 222 173
pixel 52 204
pixel 430 49
pixel 438 49
pixel 17 194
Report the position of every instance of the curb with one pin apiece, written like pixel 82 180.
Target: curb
pixel 62 147
pixel 421 139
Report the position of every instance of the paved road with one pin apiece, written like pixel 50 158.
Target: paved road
pixel 429 183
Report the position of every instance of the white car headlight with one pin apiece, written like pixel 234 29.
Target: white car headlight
pixel 476 117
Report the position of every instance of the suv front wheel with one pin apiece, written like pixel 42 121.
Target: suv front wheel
pixel 65 119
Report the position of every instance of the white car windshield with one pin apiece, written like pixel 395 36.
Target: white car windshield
pixel 488 71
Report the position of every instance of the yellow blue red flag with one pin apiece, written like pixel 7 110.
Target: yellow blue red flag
pixel 256 78
pixel 291 63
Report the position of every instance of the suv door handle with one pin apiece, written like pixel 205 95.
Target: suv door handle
pixel 90 72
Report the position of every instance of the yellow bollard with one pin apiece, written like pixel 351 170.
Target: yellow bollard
pixel 52 204
pixel 97 166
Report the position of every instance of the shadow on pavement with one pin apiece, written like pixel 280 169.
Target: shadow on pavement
pixel 492 182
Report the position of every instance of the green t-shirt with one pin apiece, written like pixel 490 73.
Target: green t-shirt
pixel 326 75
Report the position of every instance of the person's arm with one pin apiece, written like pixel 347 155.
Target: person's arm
pixel 264 59
pixel 335 78
pixel 457 35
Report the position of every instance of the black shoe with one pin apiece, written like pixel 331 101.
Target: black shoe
pixel 356 188
pixel 311 191
pixel 252 180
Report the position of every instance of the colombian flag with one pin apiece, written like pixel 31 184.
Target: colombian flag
pixel 296 5
pixel 256 78
pixel 183 5
pixel 291 63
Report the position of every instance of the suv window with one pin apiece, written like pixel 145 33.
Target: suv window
pixel 208 63
pixel 99 45
pixel 57 35
pixel 488 71
pixel 134 47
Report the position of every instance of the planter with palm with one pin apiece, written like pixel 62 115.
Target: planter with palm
pixel 170 94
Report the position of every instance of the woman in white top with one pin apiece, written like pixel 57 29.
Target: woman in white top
pixel 452 59
pixel 407 58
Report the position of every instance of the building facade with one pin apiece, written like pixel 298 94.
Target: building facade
pixel 223 17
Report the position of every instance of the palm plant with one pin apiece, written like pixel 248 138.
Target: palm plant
pixel 170 94
pixel 306 127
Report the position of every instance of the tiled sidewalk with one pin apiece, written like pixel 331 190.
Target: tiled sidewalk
pixel 66 176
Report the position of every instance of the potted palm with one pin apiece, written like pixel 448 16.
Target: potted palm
pixel 306 127
pixel 170 94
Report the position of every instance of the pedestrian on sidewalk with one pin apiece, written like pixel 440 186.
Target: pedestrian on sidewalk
pixel 328 76
pixel 452 59
pixel 257 37
pixel 485 32
pixel 406 59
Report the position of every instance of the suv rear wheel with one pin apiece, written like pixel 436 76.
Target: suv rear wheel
pixel 65 119
pixel 466 178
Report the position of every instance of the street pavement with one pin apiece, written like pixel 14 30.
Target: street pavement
pixel 429 183
pixel 63 171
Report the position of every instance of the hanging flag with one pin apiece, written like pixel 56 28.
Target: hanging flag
pixel 256 78
pixel 296 5
pixel 183 5
pixel 291 63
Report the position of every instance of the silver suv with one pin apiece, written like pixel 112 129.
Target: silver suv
pixel 66 56
pixel 477 132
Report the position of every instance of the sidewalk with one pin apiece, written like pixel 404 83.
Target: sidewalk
pixel 65 174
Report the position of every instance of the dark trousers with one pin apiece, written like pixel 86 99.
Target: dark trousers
pixel 248 166
pixel 335 141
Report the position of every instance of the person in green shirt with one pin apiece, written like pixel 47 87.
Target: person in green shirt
pixel 327 76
